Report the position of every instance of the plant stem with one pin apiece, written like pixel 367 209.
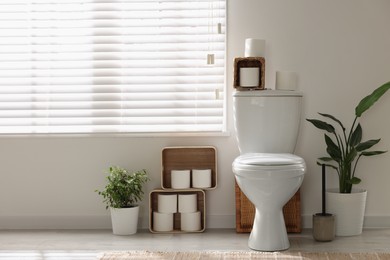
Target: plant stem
pixel 354 167
pixel 340 144
pixel 351 130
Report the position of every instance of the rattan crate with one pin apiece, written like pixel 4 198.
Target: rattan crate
pixel 188 158
pixel 201 204
pixel 245 213
pixel 249 62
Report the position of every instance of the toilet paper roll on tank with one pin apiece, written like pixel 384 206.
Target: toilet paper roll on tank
pixel 286 80
pixel 254 47
pixel 249 77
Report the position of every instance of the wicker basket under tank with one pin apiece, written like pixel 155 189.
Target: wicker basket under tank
pixel 245 213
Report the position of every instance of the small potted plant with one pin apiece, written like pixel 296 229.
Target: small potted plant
pixel 344 152
pixel 121 195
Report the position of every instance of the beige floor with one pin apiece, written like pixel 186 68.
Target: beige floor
pixel 87 244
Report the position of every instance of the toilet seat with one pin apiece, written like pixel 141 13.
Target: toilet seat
pixel 265 165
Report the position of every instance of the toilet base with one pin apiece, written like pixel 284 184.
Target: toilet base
pixel 269 231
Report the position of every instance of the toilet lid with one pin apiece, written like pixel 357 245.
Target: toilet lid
pixel 269 159
pixel 265 165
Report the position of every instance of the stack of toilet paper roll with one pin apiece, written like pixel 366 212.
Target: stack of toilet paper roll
pixel 181 179
pixel 170 204
pixel 190 217
pixel 250 76
pixel 163 217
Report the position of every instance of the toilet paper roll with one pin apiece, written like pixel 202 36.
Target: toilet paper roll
pixel 190 221
pixel 201 178
pixel 254 48
pixel 286 80
pixel 188 203
pixel 180 179
pixel 162 222
pixel 249 77
pixel 167 203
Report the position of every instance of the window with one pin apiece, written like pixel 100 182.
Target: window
pixel 112 66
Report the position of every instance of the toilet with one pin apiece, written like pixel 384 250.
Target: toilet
pixel 267 124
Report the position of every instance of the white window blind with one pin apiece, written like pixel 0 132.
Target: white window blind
pixel 111 66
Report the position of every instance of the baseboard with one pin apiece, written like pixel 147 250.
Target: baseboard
pixel 369 221
pixel 221 221
pixel 228 221
pixel 55 222
pixel 212 221
pixel 92 222
pixel 104 222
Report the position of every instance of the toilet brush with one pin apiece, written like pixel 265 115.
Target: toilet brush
pixel 323 223
pixel 323 190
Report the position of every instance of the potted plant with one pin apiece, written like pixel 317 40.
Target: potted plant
pixel 344 152
pixel 121 195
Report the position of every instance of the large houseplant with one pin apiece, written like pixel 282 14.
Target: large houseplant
pixel 344 149
pixel 121 194
pixel 344 152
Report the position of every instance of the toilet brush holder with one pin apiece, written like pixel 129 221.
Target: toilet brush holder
pixel 324 226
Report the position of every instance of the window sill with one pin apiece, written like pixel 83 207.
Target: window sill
pixel 120 135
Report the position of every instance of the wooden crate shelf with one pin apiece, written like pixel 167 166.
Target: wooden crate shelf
pixel 201 206
pixel 188 158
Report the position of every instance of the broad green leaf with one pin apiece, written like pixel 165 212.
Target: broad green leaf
pixel 371 153
pixel 350 156
pixel 332 149
pixel 369 100
pixel 329 142
pixel 325 159
pixel 334 154
pixel 367 145
pixel 354 180
pixel 322 125
pixel 334 119
pixel 356 136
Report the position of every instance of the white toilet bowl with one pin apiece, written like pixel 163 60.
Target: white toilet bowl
pixel 269 180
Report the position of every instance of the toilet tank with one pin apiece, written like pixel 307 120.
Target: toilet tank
pixel 267 121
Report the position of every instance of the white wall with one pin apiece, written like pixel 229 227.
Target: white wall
pixel 341 51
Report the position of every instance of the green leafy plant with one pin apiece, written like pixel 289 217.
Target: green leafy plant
pixel 123 189
pixel 345 150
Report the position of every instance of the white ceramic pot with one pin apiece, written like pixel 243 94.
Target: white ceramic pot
pixel 124 220
pixel 348 210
